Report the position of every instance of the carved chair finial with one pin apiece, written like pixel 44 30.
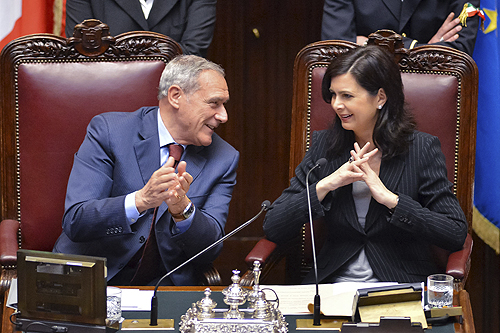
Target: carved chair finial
pixel 389 39
pixel 91 38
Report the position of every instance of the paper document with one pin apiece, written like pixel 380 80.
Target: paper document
pixel 136 300
pixel 336 298
pixel 12 298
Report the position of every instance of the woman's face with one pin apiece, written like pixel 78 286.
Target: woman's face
pixel 356 107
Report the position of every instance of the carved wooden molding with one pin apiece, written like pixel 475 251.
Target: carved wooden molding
pixel 423 58
pixel 91 40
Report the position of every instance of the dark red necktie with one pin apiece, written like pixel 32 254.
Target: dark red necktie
pixel 148 265
pixel 175 150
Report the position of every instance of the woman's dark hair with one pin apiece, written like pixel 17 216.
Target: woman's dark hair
pixel 373 68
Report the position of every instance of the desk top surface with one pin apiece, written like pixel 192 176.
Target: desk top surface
pixel 173 302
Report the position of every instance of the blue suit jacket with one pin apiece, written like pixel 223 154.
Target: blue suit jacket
pixel 417 19
pixel 118 156
pixel 190 23
pixel 397 245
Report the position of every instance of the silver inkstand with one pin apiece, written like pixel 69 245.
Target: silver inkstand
pixel 260 315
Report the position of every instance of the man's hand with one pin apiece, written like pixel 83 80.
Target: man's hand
pixel 177 199
pixel 448 32
pixel 156 190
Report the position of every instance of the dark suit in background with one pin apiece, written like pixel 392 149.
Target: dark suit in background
pixel 417 19
pixel 189 22
pixel 396 244
pixel 119 154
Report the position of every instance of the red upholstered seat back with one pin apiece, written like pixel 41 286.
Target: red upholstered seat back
pixel 56 102
pixel 51 92
pixel 432 98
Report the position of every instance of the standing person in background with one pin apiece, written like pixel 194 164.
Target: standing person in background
pixel 189 22
pixel 418 21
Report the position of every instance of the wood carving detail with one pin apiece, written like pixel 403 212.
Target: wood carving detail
pixel 326 54
pixel 53 49
pixel 429 61
pixel 91 40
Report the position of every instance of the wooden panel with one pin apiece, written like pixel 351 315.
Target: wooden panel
pixel 259 74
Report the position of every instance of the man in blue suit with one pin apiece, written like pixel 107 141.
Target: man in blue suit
pixel 123 178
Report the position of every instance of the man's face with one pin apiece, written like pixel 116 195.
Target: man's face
pixel 203 111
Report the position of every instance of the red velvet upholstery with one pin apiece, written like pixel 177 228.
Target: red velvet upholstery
pixel 440 91
pixel 49 136
pixel 440 88
pixel 51 87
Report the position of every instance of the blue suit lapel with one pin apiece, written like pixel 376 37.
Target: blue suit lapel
pixel 407 10
pixel 159 10
pixel 147 150
pixel 134 10
pixel 394 7
pixel 195 161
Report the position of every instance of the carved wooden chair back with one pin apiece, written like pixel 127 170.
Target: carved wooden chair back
pixel 440 87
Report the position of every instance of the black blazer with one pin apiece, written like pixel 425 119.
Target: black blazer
pixel 418 19
pixel 189 22
pixel 396 244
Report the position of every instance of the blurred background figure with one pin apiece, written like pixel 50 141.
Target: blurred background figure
pixel 419 21
pixel 189 22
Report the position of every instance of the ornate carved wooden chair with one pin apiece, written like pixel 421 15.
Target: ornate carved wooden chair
pixel 50 89
pixel 441 89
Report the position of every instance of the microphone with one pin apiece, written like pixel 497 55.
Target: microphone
pixel 265 206
pixel 316 314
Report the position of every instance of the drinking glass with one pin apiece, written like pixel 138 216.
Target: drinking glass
pixel 114 304
pixel 439 290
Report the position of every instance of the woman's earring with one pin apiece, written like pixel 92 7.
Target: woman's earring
pixel 379 107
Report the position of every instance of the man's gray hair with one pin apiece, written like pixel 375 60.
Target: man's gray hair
pixel 184 71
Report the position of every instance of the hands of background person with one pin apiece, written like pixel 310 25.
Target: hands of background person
pixel 448 32
pixel 165 185
pixel 378 190
pixel 361 40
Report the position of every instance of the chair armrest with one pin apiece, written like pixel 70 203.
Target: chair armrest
pixel 9 242
pixel 459 262
pixel 260 252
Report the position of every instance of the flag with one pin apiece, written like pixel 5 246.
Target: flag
pixel 486 218
pixel 23 17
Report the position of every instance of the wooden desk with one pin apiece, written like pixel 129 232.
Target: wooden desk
pixel 461 298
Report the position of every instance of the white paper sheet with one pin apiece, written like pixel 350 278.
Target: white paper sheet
pixel 336 298
pixel 136 300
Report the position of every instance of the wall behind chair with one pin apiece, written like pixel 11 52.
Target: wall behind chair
pixel 256 43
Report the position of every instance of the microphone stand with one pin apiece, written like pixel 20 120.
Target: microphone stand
pixel 266 205
pixel 317 300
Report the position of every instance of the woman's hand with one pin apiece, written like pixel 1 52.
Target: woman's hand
pixel 378 190
pixel 348 173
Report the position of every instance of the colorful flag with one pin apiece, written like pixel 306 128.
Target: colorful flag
pixel 486 219
pixel 24 17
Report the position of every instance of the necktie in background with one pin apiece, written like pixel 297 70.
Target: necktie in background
pixel 148 265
